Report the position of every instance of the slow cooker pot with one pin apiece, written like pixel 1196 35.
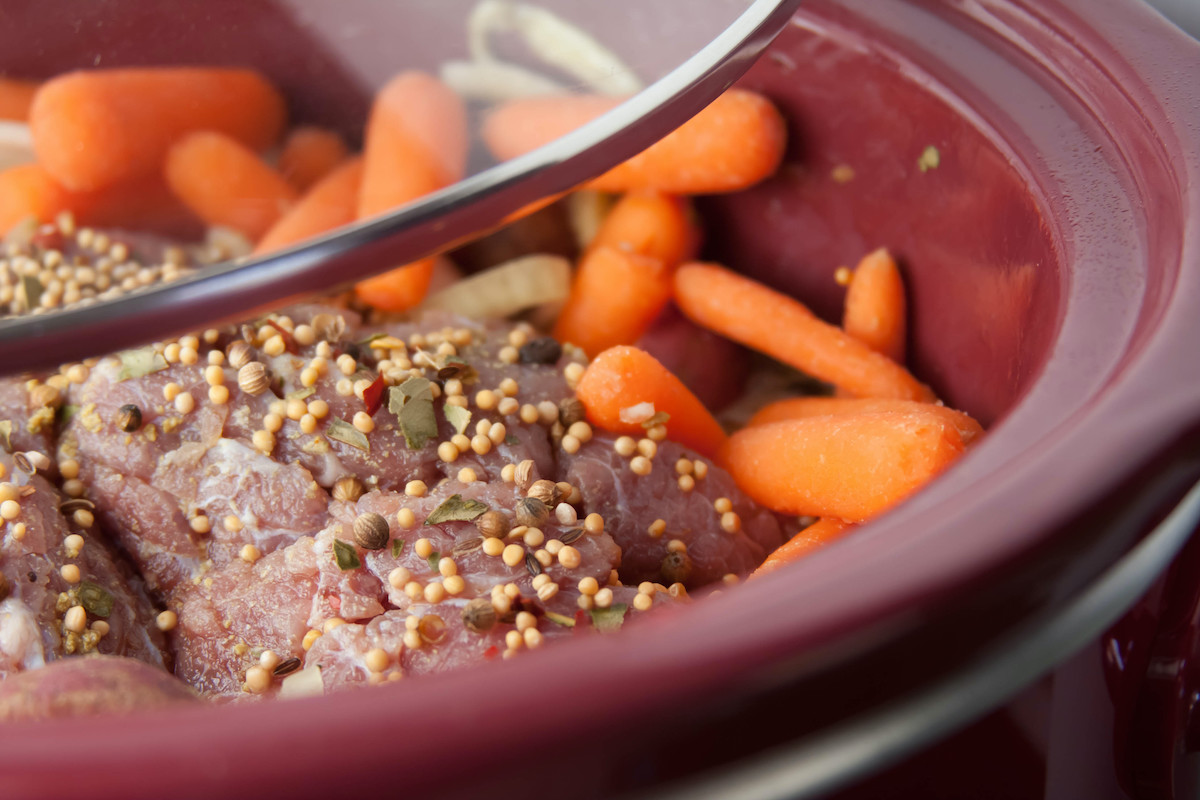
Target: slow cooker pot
pixel 1036 167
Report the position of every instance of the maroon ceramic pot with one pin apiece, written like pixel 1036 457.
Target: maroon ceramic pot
pixel 1035 165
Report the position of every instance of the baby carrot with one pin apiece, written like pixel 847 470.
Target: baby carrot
pixel 329 204
pixel 615 297
pixel 310 153
pixel 808 540
pixel 16 96
pixel 758 317
pixel 849 466
pixel 875 306
pixel 416 143
pixel 650 224
pixel 733 143
pixel 95 128
pixel 224 183
pixel 623 377
pixel 801 407
pixel 29 191
pixel 624 279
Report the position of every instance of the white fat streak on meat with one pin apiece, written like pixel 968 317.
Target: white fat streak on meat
pixel 20 637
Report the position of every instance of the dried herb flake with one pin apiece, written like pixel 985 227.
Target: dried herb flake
pixel 348 434
pixel 560 619
pixel 6 429
pixel 433 560
pixel 607 620
pixel 301 394
pixel 416 388
pixel 95 599
pixel 455 509
pixel 458 417
pixel 31 291
pixel 397 547
pixel 345 555
pixel 417 422
pixel 140 362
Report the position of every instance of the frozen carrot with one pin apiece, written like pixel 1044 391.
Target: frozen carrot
pixel 810 539
pixel 748 312
pixel 849 466
pixel 310 153
pixel 624 279
pixel 95 128
pixel 801 407
pixel 623 383
pixel 416 143
pixel 329 204
pixel 875 307
pixel 735 142
pixel 615 298
pixel 16 96
pixel 225 183
pixel 29 191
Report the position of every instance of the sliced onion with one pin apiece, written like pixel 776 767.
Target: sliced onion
pixel 496 81
pixel 555 41
pixel 16 145
pixel 305 683
pixel 507 289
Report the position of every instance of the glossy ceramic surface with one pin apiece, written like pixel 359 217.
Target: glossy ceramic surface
pixel 1054 261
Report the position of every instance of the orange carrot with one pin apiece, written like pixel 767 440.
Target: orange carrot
pixel 28 191
pixel 615 297
pixel 624 280
pixel 623 377
pixel 849 466
pixel 808 540
pixel 224 183
pixel 310 153
pixel 92 129
pixel 144 204
pixel 875 306
pixel 748 312
pixel 16 96
pixel 734 143
pixel 329 204
pixel 416 143
pixel 650 224
pixel 801 407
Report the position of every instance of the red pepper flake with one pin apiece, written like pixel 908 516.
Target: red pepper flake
pixel 289 341
pixel 582 623
pixel 48 237
pixel 491 652
pixel 373 395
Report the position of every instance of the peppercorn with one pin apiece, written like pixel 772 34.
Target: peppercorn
pixel 676 567
pixel 570 411
pixel 493 524
pixel 544 490
pixel 371 531
pixel 129 418
pixel 544 350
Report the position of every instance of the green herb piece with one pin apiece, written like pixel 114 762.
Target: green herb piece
pixel 300 394
pixel 345 555
pixel 6 429
pixel 31 291
pixel 560 619
pixel 95 599
pixel 930 159
pixel 417 422
pixel 416 388
pixel 455 509
pixel 511 439
pixel 345 432
pixel 397 547
pixel 607 620
pixel 458 417
pixel 433 560
pixel 140 362
pixel 65 413
pixel 367 341
pixel 453 367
